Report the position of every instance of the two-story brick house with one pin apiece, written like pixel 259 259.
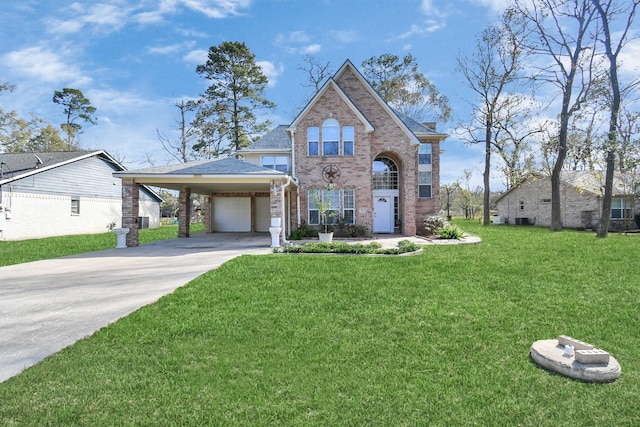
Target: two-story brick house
pixel 383 167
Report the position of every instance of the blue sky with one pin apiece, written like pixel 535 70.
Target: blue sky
pixel 134 58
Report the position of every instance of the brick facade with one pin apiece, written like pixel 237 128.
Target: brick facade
pixel 130 207
pixel 184 212
pixel 389 139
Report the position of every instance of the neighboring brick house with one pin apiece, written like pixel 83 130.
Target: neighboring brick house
pixel 580 198
pixel 60 193
pixel 384 168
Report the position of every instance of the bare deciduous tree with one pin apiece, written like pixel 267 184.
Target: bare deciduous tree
pixel 560 34
pixel 608 11
pixel 490 71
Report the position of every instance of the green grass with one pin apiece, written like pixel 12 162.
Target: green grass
pixel 19 251
pixel 440 338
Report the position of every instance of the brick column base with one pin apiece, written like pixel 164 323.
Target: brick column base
pixel 130 206
pixel 184 212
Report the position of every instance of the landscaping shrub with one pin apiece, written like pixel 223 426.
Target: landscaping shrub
pixel 346 248
pixel 451 232
pixel 303 231
pixel 433 225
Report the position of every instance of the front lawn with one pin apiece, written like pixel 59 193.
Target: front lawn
pixel 19 251
pixel 440 338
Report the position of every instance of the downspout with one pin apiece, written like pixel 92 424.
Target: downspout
pixel 293 173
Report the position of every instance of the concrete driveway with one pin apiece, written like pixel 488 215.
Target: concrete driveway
pixel 48 305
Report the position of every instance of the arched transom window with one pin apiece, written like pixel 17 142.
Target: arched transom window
pixel 385 174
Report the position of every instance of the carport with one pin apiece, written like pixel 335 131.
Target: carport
pixel 239 196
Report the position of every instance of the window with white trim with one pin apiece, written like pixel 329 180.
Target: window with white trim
pixel 330 137
pixel 345 210
pixel 424 154
pixel 75 206
pixel 279 163
pixel 620 208
pixel 424 185
pixel 349 206
pixel 348 133
pixel 313 140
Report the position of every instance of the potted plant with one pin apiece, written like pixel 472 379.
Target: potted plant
pixel 326 214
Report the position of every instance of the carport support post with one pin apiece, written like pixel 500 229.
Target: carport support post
pixel 184 211
pixel 130 205
pixel 276 199
pixel 208 223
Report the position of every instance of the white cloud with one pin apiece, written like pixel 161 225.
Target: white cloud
pixel 427 7
pixel 98 17
pixel 198 56
pixel 45 66
pixel 495 5
pixel 311 49
pixel 127 124
pixel 296 42
pixel 345 36
pixel 113 15
pixel 416 30
pixel 217 8
pixel 630 59
pixel 271 70
pixel 170 49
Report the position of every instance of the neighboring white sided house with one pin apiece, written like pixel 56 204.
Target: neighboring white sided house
pixel 62 193
pixel 529 203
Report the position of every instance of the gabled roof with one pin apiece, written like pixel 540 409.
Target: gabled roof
pixel 15 166
pixel 214 167
pixel 331 83
pixel 276 140
pixel 586 181
pixel 407 126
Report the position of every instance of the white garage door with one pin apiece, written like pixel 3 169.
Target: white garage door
pixel 232 214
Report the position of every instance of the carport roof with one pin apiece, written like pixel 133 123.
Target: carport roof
pixel 227 166
pixel 227 174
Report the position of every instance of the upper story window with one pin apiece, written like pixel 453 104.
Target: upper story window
pixel 330 138
pixel 424 154
pixel 279 163
pixel 424 185
pixel 347 140
pixel 332 141
pixel 313 140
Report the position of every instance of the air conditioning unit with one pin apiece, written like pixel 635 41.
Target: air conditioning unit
pixel 497 219
pixel 522 221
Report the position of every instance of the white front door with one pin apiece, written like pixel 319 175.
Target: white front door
pixel 383 214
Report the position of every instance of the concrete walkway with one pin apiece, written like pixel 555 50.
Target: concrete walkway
pixel 48 305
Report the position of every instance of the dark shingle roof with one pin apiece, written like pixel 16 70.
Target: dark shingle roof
pixel 226 166
pixel 275 140
pixel 16 164
pixel 418 129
